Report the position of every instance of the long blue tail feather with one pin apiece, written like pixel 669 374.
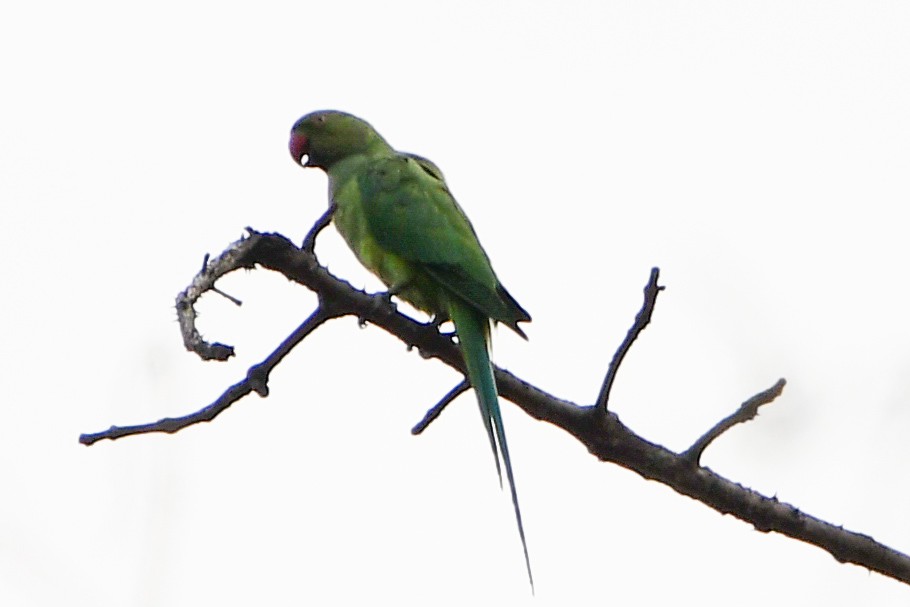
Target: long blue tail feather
pixel 473 330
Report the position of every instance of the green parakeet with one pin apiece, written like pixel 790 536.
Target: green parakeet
pixel 396 213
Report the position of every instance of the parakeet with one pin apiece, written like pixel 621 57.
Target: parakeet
pixel 397 214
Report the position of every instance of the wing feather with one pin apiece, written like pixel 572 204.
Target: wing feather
pixel 411 213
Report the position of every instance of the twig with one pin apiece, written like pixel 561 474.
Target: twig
pixel 256 381
pixel 434 412
pixel 258 375
pixel 171 425
pixel 230 298
pixel 309 242
pixel 641 321
pixel 748 410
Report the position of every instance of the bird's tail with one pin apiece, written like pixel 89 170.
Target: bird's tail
pixel 473 329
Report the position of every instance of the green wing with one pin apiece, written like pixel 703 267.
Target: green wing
pixel 411 213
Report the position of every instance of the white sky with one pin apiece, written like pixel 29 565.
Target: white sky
pixel 756 152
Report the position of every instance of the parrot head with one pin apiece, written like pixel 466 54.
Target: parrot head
pixel 328 136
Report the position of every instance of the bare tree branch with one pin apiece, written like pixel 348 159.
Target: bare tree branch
pixel 433 413
pixel 642 319
pixel 309 242
pixel 748 410
pixel 256 380
pixel 600 430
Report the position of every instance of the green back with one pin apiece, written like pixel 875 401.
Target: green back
pixel 410 212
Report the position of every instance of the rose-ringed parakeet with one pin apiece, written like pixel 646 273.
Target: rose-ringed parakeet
pixel 396 213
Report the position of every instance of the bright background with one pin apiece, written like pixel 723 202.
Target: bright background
pixel 756 152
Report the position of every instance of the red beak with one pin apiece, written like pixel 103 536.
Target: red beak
pixel 298 145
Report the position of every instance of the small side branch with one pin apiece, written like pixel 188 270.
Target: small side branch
pixel 258 375
pixel 171 425
pixel 642 319
pixel 748 410
pixel 309 242
pixel 433 413
pixel 257 379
